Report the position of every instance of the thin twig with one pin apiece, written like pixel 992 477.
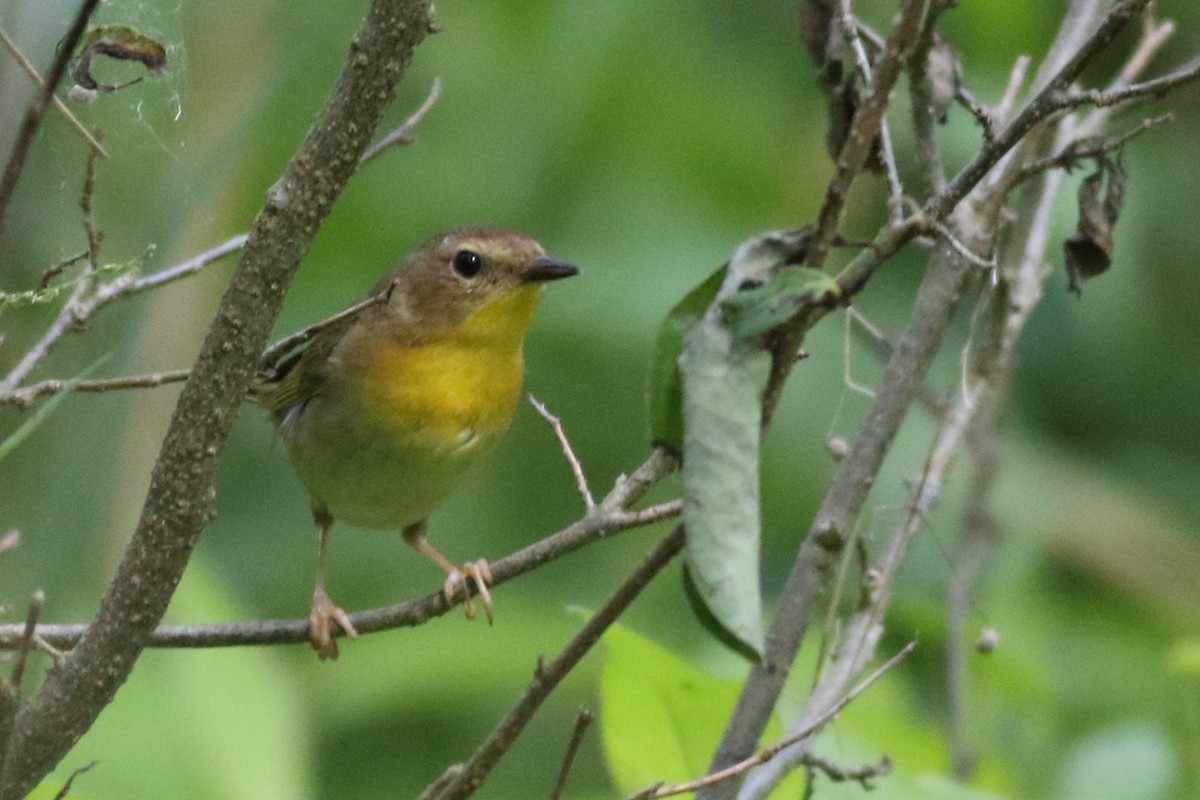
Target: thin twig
pixel 27 394
pixel 80 306
pixel 1079 150
pixel 36 110
pixel 1155 87
pixel 12 691
pixel 847 378
pixel 860 775
pixel 65 790
pixel 54 270
pixel 1016 79
pixel 30 70
pixel 461 780
pixel 402 135
pixel 35 609
pixel 946 235
pixel 130 284
pixel 582 720
pixel 849 26
pixel 576 468
pixel 767 753
pixel 967 99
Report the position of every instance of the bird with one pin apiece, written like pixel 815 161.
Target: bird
pixel 382 411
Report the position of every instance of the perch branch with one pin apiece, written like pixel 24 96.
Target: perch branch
pixel 609 517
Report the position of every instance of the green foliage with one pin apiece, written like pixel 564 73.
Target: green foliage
pixel 761 308
pixel 724 368
pixel 661 717
pixel 639 139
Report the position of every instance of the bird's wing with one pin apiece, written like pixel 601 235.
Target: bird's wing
pixel 297 377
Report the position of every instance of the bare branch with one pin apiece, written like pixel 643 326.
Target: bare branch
pixel 402 135
pixel 861 775
pixel 83 303
pixel 27 394
pixel 1079 150
pixel 864 127
pixel 576 468
pixel 936 299
pixel 1155 87
pixel 582 720
pixel 849 26
pixel 12 691
pixel 35 609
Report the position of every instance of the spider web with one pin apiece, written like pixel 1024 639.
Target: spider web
pixel 146 113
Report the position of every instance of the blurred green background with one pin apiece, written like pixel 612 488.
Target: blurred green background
pixel 641 140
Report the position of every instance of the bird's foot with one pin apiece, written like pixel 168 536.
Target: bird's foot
pixel 481 574
pixel 320 624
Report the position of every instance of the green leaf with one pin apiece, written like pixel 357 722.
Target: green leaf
pixel 666 391
pixel 711 624
pixel 723 375
pixel 759 309
pixel 662 717
pixel 723 382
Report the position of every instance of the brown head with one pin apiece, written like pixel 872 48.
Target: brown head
pixel 487 278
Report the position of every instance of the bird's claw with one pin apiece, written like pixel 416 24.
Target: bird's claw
pixel 320 625
pixel 481 574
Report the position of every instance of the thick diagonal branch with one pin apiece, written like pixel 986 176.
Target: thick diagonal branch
pixel 180 499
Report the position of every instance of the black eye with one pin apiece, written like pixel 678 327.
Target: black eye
pixel 467 263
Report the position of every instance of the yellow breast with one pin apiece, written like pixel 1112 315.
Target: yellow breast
pixel 455 387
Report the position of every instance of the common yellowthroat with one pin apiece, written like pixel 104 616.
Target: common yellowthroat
pixel 382 412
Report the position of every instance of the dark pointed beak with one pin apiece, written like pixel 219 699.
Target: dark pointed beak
pixel 546 268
